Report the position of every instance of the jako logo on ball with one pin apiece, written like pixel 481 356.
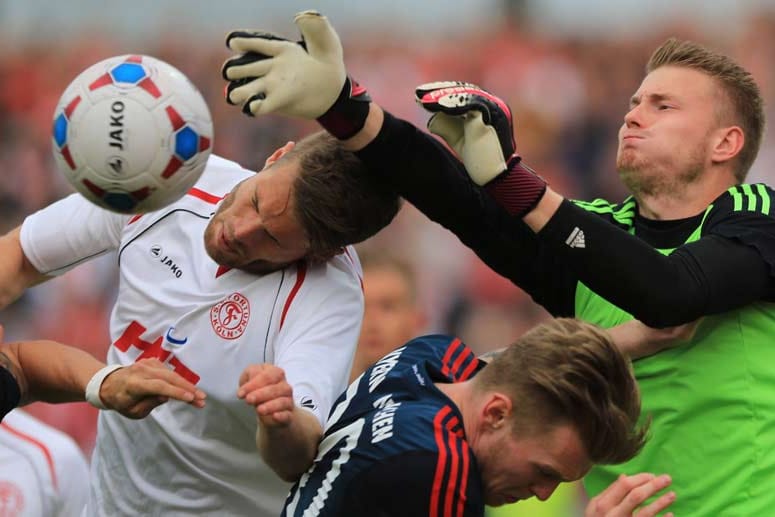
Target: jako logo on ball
pixel 132 134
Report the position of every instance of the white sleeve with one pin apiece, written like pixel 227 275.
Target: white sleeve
pixel 68 232
pixel 320 333
pixel 73 482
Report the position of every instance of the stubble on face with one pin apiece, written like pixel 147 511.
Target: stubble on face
pixel 211 231
pixel 645 178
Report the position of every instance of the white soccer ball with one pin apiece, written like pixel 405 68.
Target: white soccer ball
pixel 132 134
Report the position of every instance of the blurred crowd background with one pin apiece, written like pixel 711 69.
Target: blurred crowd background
pixel 568 84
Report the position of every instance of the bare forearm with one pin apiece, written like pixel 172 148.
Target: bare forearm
pixel 289 450
pixel 52 372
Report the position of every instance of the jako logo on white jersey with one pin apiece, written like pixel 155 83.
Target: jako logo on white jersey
pixel 156 251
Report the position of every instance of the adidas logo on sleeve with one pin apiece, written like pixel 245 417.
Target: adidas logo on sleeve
pixel 576 238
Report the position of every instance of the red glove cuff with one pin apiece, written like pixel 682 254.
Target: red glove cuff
pixel 348 114
pixel 518 189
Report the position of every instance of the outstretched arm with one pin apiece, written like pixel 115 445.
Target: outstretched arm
pixel 531 242
pixel 52 372
pixel 417 165
pixel 287 435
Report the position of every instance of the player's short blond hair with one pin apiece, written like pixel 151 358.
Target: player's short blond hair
pixel 570 372
pixel 737 85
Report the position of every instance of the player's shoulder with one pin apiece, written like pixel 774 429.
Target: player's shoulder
pixel 622 214
pixel 220 175
pixel 446 355
pixel 31 433
pixel 342 270
pixel 751 198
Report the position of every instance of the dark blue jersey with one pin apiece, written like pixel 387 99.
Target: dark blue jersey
pixel 9 392
pixel 394 444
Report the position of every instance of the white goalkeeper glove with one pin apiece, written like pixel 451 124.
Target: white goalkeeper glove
pixel 305 79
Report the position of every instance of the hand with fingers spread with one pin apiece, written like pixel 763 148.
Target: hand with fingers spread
pixel 305 79
pixel 626 495
pixel 264 386
pixel 137 389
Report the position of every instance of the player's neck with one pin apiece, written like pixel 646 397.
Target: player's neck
pixel 681 202
pixel 457 392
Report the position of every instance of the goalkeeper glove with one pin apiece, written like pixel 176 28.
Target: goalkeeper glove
pixel 305 79
pixel 478 126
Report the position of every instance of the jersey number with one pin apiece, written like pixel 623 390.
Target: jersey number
pixel 347 439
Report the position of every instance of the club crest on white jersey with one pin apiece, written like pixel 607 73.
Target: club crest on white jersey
pixel 230 316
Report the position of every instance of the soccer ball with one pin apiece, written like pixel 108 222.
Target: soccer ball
pixel 132 134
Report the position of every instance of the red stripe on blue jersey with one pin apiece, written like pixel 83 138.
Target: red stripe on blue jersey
pixel 466 361
pixel 448 493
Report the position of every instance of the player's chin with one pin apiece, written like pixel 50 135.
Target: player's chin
pixel 220 256
pixel 495 500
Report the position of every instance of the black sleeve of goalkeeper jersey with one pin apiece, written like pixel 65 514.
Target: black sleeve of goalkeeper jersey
pixel 402 486
pixel 9 392
pixel 432 179
pixel 711 275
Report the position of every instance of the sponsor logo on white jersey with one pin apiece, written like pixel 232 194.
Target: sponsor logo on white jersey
pixel 173 340
pixel 157 252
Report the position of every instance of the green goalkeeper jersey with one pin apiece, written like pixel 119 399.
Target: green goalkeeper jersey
pixel 712 401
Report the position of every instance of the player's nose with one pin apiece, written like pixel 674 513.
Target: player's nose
pixel 633 117
pixel 247 230
pixel 543 491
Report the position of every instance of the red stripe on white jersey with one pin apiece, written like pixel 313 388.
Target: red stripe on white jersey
pixel 221 270
pixel 37 443
pixel 204 196
pixel 197 193
pixel 301 273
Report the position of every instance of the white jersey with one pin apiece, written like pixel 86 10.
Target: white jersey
pixel 43 473
pixel 208 323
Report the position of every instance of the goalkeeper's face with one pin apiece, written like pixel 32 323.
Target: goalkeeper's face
pixel 255 227
pixel 669 133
